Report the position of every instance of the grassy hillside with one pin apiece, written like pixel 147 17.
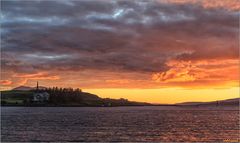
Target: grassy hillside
pixel 14 96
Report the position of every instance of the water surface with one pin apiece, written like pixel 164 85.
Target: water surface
pixel 118 124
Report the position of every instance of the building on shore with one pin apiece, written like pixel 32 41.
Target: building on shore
pixel 40 96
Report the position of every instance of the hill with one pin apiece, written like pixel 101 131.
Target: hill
pixel 22 88
pixel 27 88
pixel 21 96
pixel 228 102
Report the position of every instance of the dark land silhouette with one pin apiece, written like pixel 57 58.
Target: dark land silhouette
pixel 25 96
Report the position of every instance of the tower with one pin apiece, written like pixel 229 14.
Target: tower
pixel 37 86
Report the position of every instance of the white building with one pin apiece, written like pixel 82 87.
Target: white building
pixel 40 97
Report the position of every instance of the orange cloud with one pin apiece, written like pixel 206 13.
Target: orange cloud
pixel 179 72
pixel 119 81
pixel 228 4
pixel 41 75
pixel 24 78
pixel 6 82
pixel 202 72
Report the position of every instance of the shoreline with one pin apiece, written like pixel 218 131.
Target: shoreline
pixel 235 107
pixel 61 105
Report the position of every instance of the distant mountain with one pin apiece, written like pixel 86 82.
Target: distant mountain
pixel 234 101
pixel 22 88
pixel 190 103
pixel 27 88
pixel 229 102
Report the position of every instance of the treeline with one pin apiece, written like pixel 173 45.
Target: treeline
pixel 63 95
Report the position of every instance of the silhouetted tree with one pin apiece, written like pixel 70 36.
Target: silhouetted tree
pixel 64 95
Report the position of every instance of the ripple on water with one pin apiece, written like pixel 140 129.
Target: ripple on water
pixel 117 124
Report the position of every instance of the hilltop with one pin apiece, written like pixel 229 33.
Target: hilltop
pixel 26 88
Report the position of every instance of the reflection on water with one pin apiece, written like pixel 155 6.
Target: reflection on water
pixel 117 124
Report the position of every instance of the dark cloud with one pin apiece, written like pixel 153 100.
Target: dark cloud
pixel 125 36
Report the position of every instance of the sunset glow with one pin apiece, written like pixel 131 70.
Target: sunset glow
pixel 160 51
pixel 168 95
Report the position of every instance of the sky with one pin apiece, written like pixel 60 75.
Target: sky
pixel 158 51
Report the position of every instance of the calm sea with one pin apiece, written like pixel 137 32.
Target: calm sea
pixel 118 124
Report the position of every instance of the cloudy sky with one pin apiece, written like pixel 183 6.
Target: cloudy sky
pixel 117 48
